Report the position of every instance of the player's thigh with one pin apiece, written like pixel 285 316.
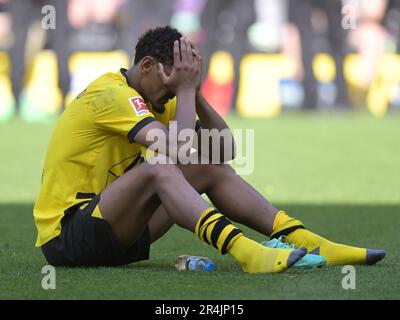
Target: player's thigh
pixel 129 202
pixel 202 177
pixel 199 178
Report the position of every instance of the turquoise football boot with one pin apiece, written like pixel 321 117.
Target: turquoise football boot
pixel 307 262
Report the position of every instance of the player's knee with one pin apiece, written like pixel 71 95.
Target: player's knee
pixel 209 175
pixel 165 174
pixel 161 169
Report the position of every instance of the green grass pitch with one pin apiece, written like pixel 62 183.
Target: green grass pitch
pixel 339 174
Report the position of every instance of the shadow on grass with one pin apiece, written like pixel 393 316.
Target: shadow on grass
pixel 370 225
pixel 373 226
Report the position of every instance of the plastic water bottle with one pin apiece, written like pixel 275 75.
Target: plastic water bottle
pixel 194 263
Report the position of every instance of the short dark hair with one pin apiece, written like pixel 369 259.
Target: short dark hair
pixel 157 43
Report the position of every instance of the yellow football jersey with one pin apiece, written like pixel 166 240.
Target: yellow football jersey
pixel 91 146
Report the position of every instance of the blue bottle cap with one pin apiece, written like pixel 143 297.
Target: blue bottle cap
pixel 209 266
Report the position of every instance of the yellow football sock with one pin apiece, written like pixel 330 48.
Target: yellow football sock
pixel 283 225
pixel 255 258
pixel 335 253
pixel 215 229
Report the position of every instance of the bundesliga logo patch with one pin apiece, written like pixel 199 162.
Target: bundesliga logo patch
pixel 139 105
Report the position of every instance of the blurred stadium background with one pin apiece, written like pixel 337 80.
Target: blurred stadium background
pixel 269 63
pixel 263 57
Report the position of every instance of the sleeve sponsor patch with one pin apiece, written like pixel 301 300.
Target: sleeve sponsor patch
pixel 138 105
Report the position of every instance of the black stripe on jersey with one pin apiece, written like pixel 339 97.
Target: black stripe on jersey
pixel 110 171
pixel 140 125
pixel 134 162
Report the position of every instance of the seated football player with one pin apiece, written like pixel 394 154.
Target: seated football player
pixel 101 204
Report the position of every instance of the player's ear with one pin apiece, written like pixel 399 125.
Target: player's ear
pixel 147 64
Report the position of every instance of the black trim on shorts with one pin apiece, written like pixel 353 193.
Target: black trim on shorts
pixel 87 241
pixel 83 195
pixel 73 208
pixel 142 123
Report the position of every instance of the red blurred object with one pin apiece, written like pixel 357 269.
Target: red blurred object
pixel 218 95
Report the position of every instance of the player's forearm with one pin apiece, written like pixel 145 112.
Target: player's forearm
pixel 185 109
pixel 185 118
pixel 210 119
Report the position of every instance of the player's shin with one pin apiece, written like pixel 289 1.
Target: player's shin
pixel 217 230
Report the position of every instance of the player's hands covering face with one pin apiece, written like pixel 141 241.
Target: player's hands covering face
pixel 186 70
pixel 197 56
